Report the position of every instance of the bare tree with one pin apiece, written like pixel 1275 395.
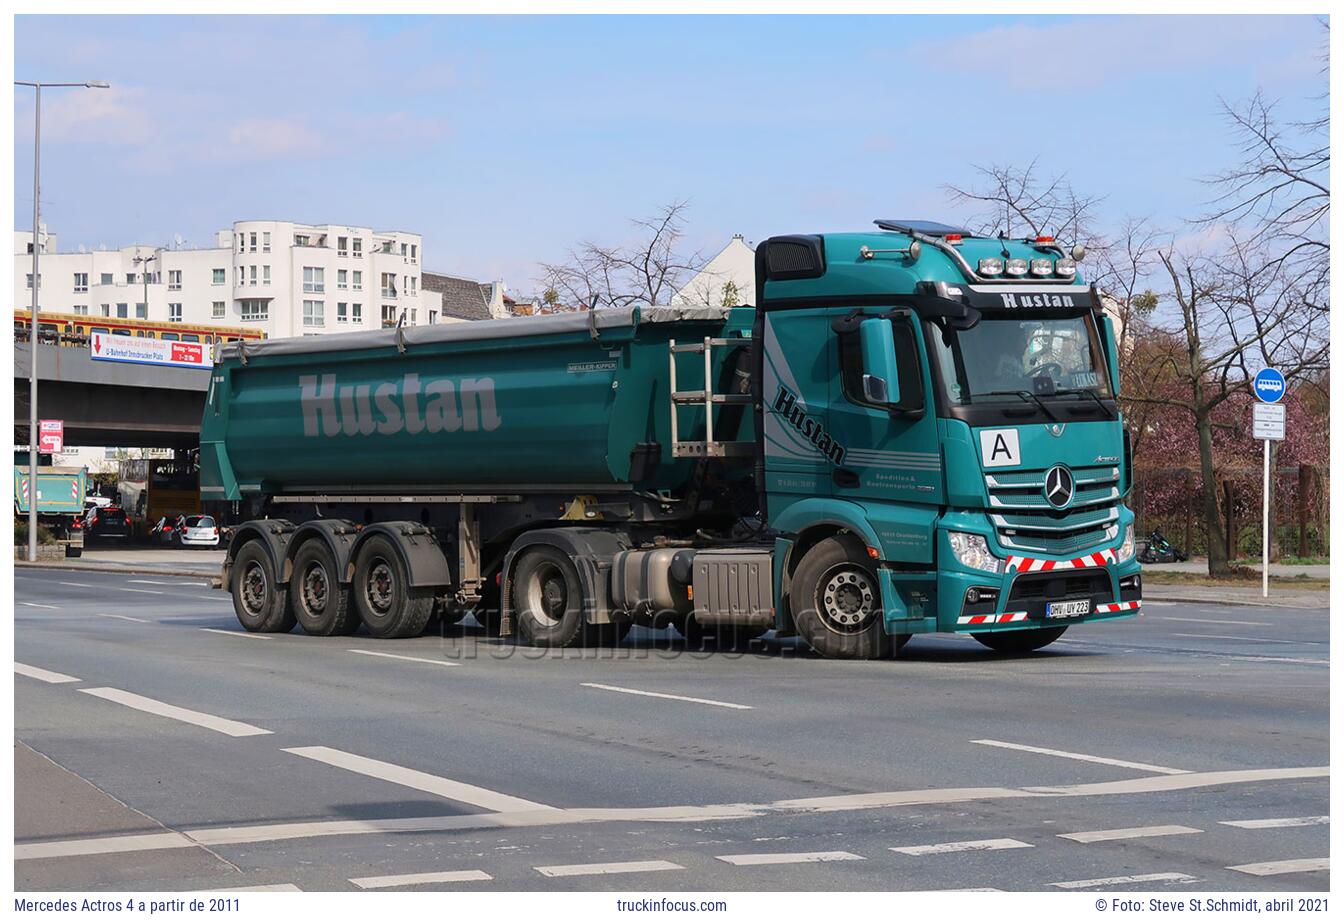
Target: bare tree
pixel 647 270
pixel 1016 202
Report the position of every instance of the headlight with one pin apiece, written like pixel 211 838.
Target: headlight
pixel 1042 268
pixel 972 551
pixel 1015 267
pixel 1066 268
pixel 991 267
pixel 1127 544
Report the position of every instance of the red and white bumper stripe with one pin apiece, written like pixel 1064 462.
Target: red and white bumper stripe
pixel 1120 607
pixel 985 619
pixel 1031 564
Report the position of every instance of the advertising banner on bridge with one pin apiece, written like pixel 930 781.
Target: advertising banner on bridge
pixel 106 347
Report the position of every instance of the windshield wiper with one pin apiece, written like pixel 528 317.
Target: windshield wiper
pixel 1027 395
pixel 1091 394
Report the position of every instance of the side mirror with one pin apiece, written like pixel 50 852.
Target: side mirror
pixel 878 348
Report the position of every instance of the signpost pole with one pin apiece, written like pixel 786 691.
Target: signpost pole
pixel 1264 542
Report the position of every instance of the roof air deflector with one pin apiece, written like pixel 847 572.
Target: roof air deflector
pixel 926 227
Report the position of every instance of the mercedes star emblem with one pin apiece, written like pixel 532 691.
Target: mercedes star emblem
pixel 1059 486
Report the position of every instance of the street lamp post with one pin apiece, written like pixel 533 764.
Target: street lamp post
pixel 33 327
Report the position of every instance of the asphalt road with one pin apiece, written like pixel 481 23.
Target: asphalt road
pixel 160 747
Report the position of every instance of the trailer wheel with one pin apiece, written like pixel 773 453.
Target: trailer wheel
pixel 260 601
pixel 321 603
pixel 548 599
pixel 838 602
pixel 1019 641
pixel 387 603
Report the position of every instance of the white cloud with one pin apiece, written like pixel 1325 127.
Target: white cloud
pixel 265 138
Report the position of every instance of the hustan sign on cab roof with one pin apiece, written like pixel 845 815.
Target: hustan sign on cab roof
pixel 106 347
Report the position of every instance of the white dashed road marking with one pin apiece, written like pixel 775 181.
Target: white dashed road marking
pixel 779 859
pixel 666 696
pixel 1261 823
pixel 1240 638
pixel 1219 622
pixel 1126 880
pixel 236 633
pixel 1284 866
pixel 422 878
pixel 168 711
pixel 1129 833
pixel 283 887
pixel 75 584
pixel 998 843
pixel 1108 761
pixel 166 584
pixel 51 677
pixel 414 779
pixel 648 865
pixel 118 616
pixel 43 606
pixel 446 664
pixel 141 591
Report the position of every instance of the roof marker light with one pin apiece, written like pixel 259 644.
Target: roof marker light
pixel 953 238
pixel 1045 239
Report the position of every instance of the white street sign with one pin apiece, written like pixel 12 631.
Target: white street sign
pixel 1269 421
pixel 106 347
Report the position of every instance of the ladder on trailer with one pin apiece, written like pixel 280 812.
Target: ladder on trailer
pixel 708 447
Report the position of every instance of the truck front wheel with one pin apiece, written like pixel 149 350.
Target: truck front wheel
pixel 388 605
pixel 1020 640
pixel 260 602
pixel 837 602
pixel 548 599
pixel 321 603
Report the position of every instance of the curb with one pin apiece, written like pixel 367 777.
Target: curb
pixel 1230 602
pixel 119 570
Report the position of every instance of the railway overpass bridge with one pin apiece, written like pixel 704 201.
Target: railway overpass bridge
pixel 109 404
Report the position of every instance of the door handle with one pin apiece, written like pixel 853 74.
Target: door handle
pixel 845 478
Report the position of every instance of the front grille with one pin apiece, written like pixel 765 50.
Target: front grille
pixel 1025 521
pixel 1059 587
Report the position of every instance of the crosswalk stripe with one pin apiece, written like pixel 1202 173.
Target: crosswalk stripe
pixel 1284 866
pixel 1126 880
pixel 618 868
pixel 997 843
pixel 1129 833
pixel 1261 823
pixel 779 859
pixel 420 878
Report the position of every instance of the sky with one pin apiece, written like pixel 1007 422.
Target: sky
pixel 507 140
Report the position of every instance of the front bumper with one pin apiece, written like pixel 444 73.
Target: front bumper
pixel 1020 597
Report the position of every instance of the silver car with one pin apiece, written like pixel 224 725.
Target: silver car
pixel 198 530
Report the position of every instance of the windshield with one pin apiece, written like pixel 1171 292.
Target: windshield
pixel 1002 356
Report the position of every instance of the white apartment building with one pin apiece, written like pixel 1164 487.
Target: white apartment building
pixel 283 277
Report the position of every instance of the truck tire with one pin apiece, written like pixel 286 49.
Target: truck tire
pixel 838 602
pixel 548 599
pixel 1021 640
pixel 260 601
pixel 321 603
pixel 388 605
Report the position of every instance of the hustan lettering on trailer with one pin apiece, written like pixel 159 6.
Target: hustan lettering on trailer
pixel 332 409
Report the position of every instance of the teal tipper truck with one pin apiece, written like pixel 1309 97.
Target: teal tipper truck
pixel 913 430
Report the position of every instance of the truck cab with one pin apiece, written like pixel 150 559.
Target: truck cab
pixel 960 421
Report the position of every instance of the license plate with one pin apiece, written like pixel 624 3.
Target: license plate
pixel 1067 609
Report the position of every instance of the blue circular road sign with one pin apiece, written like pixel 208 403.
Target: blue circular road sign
pixel 1268 385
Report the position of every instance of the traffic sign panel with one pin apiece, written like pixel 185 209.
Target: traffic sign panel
pixel 50 436
pixel 1268 385
pixel 1268 422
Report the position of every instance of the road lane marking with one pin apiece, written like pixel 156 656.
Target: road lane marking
pixel 1126 880
pixel 168 711
pixel 780 859
pixel 95 846
pixel 1246 639
pixel 421 878
pixel 414 779
pixel 1262 823
pixel 282 887
pixel 1129 833
pixel 270 833
pixel 647 865
pixel 118 616
pixel 167 584
pixel 51 677
pixel 1278 658
pixel 236 633
pixel 75 584
pixel 666 696
pixel 140 591
pixel 1219 622
pixel 446 664
pixel 43 606
pixel 1284 866
pixel 963 846
pixel 1108 761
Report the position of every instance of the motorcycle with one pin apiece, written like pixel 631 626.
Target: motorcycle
pixel 1158 549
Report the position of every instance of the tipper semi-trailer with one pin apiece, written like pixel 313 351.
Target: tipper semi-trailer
pixel 913 430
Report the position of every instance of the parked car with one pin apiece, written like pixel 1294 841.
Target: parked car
pixel 107 523
pixel 164 531
pixel 198 530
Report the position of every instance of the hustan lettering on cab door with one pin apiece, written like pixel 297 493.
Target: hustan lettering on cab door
pixel 331 409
